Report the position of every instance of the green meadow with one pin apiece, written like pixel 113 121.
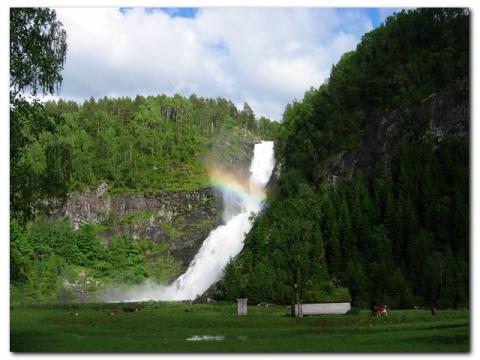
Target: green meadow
pixel 167 327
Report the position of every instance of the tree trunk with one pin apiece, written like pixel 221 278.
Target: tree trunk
pixel 299 304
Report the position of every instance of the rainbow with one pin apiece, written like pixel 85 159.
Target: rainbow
pixel 232 185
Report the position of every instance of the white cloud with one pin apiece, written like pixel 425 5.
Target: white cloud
pixel 265 56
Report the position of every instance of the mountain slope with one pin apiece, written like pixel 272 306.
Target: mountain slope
pixel 375 163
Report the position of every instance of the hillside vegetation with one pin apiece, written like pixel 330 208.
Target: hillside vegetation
pixel 400 235
pixel 141 146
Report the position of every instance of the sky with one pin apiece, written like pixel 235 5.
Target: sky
pixel 266 57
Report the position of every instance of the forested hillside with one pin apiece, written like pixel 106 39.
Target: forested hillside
pixel 144 146
pixel 397 234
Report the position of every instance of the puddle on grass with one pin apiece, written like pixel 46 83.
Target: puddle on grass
pixel 206 338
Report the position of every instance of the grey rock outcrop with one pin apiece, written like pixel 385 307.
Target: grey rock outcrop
pixel 441 114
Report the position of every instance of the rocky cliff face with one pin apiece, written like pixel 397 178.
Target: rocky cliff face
pixel 180 219
pixel 441 114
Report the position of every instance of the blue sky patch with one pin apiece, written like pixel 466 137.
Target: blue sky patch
pixel 172 12
pixel 221 46
pixel 181 12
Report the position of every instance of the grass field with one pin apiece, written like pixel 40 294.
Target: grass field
pixel 165 327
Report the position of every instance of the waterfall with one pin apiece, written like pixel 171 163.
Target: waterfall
pixel 226 241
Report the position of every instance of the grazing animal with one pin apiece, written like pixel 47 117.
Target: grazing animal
pixel 74 313
pixel 433 309
pixel 380 310
pixel 131 309
pixel 112 312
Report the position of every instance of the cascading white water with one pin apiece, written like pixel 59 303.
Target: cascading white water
pixel 223 243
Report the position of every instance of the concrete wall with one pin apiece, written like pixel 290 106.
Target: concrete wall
pixel 324 308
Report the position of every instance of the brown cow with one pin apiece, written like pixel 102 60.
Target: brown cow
pixel 380 310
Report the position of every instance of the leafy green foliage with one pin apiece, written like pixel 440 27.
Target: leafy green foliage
pixel 37 54
pixel 282 260
pixel 37 50
pixel 48 252
pixel 147 145
pixel 33 175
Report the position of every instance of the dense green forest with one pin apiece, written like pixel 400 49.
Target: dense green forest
pixel 143 145
pixel 400 237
